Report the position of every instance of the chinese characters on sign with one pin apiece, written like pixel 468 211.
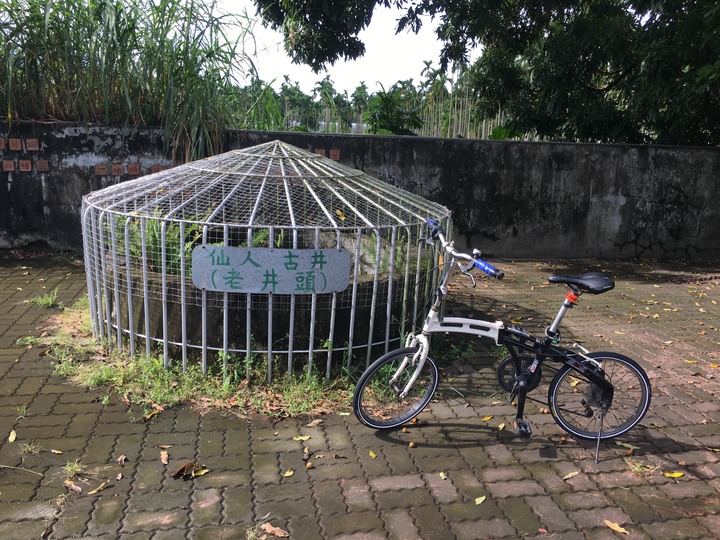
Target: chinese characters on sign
pixel 265 270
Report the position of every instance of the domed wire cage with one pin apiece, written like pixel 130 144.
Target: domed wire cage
pixel 154 245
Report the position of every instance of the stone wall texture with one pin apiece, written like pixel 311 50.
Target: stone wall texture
pixel 512 199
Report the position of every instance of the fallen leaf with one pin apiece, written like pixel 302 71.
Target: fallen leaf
pixel 480 500
pixel 619 333
pixel 674 474
pixel 443 476
pixel 309 465
pixel 691 361
pixel 121 460
pixel 119 476
pixel 301 438
pixel 102 486
pixel 289 473
pixel 53 451
pixel 149 415
pixel 501 427
pixel 12 436
pixel 163 457
pixel 74 487
pixel 199 472
pixel 315 423
pixel 667 342
pixel 185 470
pixel 343 414
pixel 573 474
pixel 615 527
pixel 164 446
pixel 486 418
pixel 275 531
pixel 372 454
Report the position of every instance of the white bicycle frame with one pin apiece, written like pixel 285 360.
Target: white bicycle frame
pixel 434 323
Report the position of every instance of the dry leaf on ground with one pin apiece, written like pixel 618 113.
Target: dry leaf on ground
pixel 615 527
pixel 275 531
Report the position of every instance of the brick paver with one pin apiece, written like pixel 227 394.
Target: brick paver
pixel 664 315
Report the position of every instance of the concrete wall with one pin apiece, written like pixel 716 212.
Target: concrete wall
pixel 512 199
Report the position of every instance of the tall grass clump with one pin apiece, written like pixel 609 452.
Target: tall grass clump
pixel 169 63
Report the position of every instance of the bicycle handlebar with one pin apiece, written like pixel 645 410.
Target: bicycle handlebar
pixel 437 233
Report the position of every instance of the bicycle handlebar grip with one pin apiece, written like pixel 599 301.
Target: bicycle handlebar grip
pixel 435 228
pixel 489 269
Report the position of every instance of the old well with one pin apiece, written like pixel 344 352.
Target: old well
pixel 269 253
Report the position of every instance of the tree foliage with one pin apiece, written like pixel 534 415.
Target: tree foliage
pixel 631 71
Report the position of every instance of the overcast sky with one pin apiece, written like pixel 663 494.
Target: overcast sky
pixel 388 58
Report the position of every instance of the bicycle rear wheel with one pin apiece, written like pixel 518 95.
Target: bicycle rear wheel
pixel 574 400
pixel 376 399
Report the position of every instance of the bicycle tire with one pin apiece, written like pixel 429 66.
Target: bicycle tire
pixel 572 398
pixel 376 403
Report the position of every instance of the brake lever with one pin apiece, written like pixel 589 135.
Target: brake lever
pixel 427 241
pixel 466 270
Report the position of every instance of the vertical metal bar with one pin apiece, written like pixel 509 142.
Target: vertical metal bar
pixel 248 320
pixel 333 313
pixel 353 302
pixel 271 239
pixel 131 307
pixel 391 284
pixel 226 310
pixel 91 259
pixel 373 305
pixel 146 286
pixel 183 300
pixel 203 314
pixel 116 282
pixel 103 273
pixel 313 309
pixel 163 265
pixel 406 284
pixel 291 332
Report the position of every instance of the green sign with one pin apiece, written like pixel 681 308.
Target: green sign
pixel 268 270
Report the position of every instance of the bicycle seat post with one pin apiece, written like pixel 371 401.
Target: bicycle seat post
pixel 571 299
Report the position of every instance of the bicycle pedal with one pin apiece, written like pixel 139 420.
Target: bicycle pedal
pixel 522 428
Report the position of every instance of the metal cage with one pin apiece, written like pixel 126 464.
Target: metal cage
pixel 139 237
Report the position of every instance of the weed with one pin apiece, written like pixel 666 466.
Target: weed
pixel 22 411
pixel 640 468
pixel 233 382
pixel 31 448
pixel 48 300
pixel 27 340
pixel 73 470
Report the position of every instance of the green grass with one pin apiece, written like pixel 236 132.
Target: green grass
pixel 137 62
pixel 48 300
pixel 233 382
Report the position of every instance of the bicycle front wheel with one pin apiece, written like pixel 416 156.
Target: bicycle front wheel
pixel 377 400
pixel 574 400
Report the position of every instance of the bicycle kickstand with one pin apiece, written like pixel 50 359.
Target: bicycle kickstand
pixel 599 437
pixel 521 427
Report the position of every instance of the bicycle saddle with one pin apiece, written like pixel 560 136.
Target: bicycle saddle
pixel 592 282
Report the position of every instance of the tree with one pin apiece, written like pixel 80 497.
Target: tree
pixel 359 102
pixel 590 70
pixel 319 32
pixel 394 111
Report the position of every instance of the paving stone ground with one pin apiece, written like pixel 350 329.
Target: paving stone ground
pixel 665 315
